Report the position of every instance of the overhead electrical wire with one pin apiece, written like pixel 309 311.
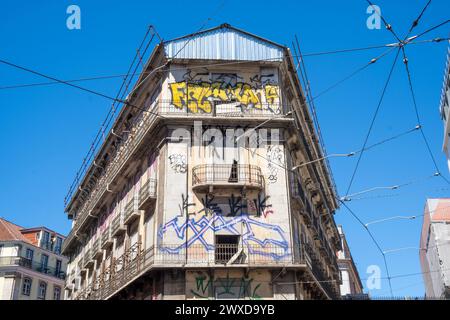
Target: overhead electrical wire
pixel 374 241
pixel 416 110
pixel 372 122
pixel 36 84
pixel 392 187
pixel 389 27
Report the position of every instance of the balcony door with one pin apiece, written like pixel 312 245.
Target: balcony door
pixel 44 263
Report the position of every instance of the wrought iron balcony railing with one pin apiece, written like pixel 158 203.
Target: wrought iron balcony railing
pixel 33 265
pixel 147 192
pixel 107 240
pixel 227 175
pixel 96 250
pixel 117 226
pixel 131 211
pixel 223 109
pixel 136 262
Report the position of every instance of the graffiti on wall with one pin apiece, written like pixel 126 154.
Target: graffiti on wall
pixel 178 162
pixel 236 205
pixel 237 288
pixel 198 95
pixel 260 206
pixel 185 205
pixel 244 225
pixel 274 162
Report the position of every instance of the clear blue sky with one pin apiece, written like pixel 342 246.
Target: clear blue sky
pixel 47 130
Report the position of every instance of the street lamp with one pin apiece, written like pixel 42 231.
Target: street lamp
pixel 323 158
pixel 391 218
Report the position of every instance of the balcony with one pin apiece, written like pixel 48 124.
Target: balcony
pixel 117 227
pixel 96 251
pixel 207 176
pixel 134 263
pixel 147 194
pixel 32 265
pixel 299 194
pixel 87 261
pixel 225 109
pixel 131 212
pixel 107 240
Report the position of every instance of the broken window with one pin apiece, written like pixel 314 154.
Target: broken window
pixel 226 248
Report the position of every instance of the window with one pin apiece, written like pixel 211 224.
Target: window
pixel 46 240
pixel 56 293
pixel 226 247
pixel 44 263
pixel 58 268
pixel 29 254
pixel 26 286
pixel 42 290
pixel 58 245
pixel 1 249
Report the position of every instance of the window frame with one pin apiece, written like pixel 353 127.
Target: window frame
pixel 30 258
pixel 39 296
pixel 55 289
pixel 29 286
pixel 44 266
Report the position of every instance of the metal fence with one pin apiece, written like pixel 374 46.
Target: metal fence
pixel 32 265
pixel 227 174
pixel 134 262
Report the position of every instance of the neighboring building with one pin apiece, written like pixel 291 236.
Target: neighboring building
pixel 435 248
pixel 444 108
pixel 158 218
pixel 351 285
pixel 31 264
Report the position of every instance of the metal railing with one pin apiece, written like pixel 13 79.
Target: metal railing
pixel 300 194
pixel 311 215
pixel 147 191
pixel 32 265
pixel 106 237
pixel 87 257
pixel 130 208
pixel 227 174
pixel 135 262
pixel 96 248
pixel 319 272
pixel 221 109
pixel 117 225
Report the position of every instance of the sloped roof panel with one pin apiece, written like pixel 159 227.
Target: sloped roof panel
pixel 223 43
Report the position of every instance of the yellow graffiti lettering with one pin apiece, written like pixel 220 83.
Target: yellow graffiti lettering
pixel 178 90
pixel 198 96
pixel 271 93
pixel 218 92
pixel 245 94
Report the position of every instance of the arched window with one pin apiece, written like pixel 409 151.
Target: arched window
pixel 42 291
pixel 26 286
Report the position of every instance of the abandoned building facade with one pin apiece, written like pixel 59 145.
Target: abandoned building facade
pixel 245 216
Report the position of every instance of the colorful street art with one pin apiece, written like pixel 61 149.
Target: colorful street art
pixel 199 95
pixel 243 225
pixel 236 205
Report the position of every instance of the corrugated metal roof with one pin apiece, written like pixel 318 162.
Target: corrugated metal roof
pixel 223 43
